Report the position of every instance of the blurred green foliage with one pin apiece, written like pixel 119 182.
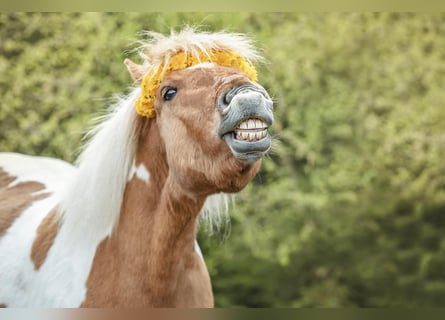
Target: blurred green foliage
pixel 349 208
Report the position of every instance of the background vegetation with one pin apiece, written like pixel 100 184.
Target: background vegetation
pixel 348 210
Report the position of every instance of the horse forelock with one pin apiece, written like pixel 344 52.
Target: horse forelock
pixel 158 49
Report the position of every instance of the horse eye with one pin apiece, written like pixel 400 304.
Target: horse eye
pixel 169 94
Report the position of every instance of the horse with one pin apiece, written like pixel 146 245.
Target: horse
pixel 118 228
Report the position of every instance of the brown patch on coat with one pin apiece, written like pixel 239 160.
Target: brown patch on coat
pixel 46 233
pixel 16 199
pixel 2 305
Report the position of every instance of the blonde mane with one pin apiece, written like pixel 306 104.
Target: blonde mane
pixel 92 201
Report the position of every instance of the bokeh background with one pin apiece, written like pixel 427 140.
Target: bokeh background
pixel 348 209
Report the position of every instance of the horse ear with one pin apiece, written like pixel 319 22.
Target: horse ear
pixel 136 70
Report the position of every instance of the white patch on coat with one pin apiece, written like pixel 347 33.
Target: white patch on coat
pixel 53 173
pixel 140 172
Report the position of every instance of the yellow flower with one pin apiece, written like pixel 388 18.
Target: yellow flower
pixel 181 60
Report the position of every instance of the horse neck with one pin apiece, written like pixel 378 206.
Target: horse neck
pixel 156 211
pixel 153 243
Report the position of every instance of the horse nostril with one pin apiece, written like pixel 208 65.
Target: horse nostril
pixel 226 98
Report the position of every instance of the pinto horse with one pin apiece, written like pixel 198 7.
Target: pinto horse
pixel 119 228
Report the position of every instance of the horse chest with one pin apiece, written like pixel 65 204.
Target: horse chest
pixel 135 282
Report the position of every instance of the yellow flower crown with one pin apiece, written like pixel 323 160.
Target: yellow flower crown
pixel 182 60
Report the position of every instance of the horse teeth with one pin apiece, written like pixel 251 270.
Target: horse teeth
pixel 251 130
pixel 252 124
pixel 250 136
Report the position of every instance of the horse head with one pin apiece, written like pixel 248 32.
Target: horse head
pixel 212 115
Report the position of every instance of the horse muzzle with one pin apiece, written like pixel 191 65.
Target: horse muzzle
pixel 247 114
